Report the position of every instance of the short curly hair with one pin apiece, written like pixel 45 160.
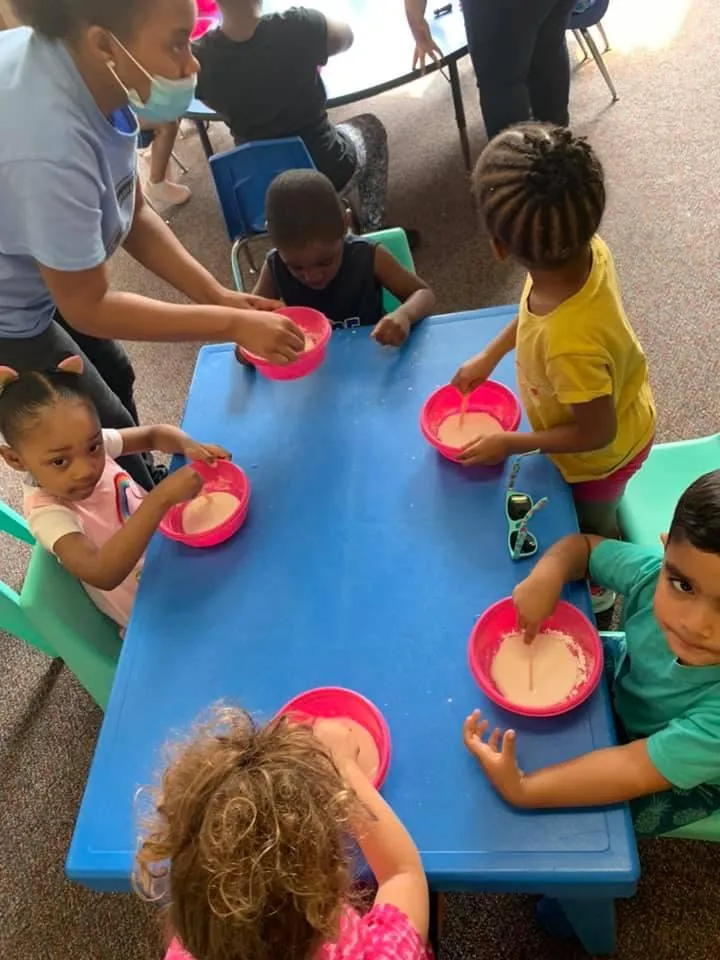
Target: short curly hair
pixel 541 192
pixel 251 829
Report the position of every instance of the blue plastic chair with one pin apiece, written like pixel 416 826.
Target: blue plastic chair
pixel 589 13
pixel 242 177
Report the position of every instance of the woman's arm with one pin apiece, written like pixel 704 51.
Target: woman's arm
pixel 425 46
pixel 611 775
pixel 85 300
pixel 416 298
pixel 106 567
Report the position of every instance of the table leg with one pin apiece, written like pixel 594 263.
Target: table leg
pixel 459 111
pixel 437 912
pixel 591 921
pixel 204 138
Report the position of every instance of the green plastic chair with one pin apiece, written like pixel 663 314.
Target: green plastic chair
pixel 53 613
pixel 652 494
pixel 394 239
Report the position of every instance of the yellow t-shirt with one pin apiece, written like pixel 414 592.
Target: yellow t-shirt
pixel 585 349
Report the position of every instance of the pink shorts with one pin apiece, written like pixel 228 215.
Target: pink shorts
pixel 613 486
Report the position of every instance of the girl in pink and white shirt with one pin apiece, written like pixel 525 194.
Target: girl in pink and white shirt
pixel 251 840
pixel 79 502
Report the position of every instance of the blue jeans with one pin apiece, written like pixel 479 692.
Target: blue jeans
pixel 520 57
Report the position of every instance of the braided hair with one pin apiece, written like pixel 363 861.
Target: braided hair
pixel 541 192
pixel 22 400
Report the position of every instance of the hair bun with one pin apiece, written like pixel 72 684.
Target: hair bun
pixel 557 165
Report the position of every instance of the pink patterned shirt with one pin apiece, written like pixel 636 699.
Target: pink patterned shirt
pixel 384 933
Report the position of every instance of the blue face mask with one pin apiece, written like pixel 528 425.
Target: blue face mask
pixel 168 99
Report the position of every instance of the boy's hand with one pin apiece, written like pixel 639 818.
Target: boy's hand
pixel 487 450
pixel 535 599
pixel 496 757
pixel 393 330
pixel 337 739
pixel 182 485
pixel 473 372
pixel 206 452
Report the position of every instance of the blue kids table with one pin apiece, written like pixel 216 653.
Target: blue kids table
pixel 364 563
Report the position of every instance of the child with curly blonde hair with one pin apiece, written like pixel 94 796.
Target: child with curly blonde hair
pixel 252 841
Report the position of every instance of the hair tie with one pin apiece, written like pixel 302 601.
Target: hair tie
pixel 7 376
pixel 73 364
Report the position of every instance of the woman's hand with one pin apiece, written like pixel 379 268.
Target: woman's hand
pixel 206 452
pixel 487 450
pixel 248 301
pixel 392 330
pixel 496 756
pixel 425 46
pixel 536 598
pixel 473 372
pixel 270 336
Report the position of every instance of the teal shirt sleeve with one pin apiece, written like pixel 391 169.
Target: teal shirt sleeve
pixel 687 751
pixel 627 569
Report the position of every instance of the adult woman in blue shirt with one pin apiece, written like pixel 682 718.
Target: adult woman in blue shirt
pixel 72 87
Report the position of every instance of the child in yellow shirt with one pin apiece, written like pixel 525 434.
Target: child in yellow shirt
pixel 582 374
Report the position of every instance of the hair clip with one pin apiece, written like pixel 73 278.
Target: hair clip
pixel 7 376
pixel 73 364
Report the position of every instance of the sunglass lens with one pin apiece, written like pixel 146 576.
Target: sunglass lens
pixel 529 543
pixel 518 506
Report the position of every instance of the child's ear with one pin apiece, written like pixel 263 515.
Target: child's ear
pixel 348 220
pixel 664 540
pixel 500 251
pixel 11 458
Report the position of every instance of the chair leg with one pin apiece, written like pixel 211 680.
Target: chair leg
pixel 581 43
pixel 597 57
pixel 250 257
pixel 179 162
pixel 601 31
pixel 235 265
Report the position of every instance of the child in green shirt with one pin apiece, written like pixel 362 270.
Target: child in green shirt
pixel 665 675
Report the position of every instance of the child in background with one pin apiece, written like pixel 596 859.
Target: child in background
pixel 79 503
pixel 665 675
pixel 251 840
pixel 582 374
pixel 316 264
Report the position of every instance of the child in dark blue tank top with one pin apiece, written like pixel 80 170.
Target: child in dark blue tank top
pixel 316 263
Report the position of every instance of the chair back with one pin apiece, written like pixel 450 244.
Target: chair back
pixel 395 240
pixel 53 613
pixel 242 177
pixel 587 13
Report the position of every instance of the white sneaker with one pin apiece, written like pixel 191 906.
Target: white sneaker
pixel 166 194
pixel 602 599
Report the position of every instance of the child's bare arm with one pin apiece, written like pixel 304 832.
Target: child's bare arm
pixel 478 369
pixel 387 846
pixel 594 427
pixel 265 286
pixel 106 567
pixel 168 439
pixel 417 300
pixel 611 775
pixel 536 596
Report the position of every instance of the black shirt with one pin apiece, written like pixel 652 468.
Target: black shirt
pixel 353 298
pixel 269 86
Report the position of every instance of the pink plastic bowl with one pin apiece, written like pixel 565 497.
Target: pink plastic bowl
pixel 309 321
pixel 490 397
pixel 339 702
pixel 222 476
pixel 500 619
pixel 202 25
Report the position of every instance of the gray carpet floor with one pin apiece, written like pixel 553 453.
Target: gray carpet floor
pixel 659 145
